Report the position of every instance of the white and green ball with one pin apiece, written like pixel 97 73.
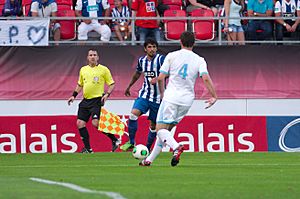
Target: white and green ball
pixel 140 152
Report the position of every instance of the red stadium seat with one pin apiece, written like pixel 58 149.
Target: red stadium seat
pixel 2 2
pixel 26 6
pixel 173 4
pixel 1 7
pixel 203 29
pixel 174 27
pixel 68 27
pixel 64 2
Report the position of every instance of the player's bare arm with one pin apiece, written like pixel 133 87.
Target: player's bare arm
pixel 106 14
pixel 75 93
pixel 153 81
pixel 134 78
pixel 161 84
pixel 78 14
pixel 210 87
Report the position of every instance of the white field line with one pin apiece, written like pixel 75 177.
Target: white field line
pixel 155 165
pixel 75 187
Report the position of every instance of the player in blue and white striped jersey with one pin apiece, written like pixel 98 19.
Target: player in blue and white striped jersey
pixel 149 95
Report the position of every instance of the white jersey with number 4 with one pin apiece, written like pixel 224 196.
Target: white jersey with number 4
pixel 183 67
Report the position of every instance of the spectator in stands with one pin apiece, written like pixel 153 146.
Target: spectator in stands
pixel 92 8
pixel 121 25
pixel 287 8
pixel 260 8
pixel 12 8
pixel 205 4
pixel 219 4
pixel 161 7
pixel 233 27
pixel 129 2
pixel 46 8
pixel 146 28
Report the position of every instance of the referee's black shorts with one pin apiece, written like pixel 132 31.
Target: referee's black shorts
pixel 88 108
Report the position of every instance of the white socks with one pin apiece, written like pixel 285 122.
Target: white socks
pixel 166 137
pixel 156 150
pixel 163 138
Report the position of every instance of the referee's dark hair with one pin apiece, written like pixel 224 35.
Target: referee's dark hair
pixel 150 41
pixel 93 49
pixel 187 39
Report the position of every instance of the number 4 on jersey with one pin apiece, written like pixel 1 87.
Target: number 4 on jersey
pixel 183 71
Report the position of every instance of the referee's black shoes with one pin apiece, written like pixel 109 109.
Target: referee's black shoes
pixel 85 150
pixel 115 145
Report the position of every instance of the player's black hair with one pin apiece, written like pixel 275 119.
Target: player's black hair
pixel 187 39
pixel 150 41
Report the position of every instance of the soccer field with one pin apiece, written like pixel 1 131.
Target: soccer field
pixel 117 175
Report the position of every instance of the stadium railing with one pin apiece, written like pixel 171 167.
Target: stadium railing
pixel 219 35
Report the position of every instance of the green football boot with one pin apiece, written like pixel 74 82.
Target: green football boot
pixel 127 146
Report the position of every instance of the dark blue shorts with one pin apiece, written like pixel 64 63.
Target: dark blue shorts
pixel 144 106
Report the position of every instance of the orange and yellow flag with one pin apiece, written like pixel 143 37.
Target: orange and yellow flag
pixel 110 123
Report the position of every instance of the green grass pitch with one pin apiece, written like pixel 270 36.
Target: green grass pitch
pixel 198 175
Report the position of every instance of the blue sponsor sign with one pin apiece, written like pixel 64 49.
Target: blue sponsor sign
pixel 283 133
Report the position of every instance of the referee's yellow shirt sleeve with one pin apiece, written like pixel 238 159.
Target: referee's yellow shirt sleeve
pixel 108 77
pixel 80 80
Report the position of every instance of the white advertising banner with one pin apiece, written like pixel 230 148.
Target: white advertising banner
pixel 24 32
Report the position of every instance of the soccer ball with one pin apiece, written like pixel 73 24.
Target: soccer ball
pixel 140 152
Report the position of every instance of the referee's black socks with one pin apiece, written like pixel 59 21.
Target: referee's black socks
pixel 85 137
pixel 111 136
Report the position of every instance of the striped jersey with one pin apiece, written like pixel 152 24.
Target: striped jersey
pixel 124 13
pixel 288 9
pixel 92 8
pixel 150 69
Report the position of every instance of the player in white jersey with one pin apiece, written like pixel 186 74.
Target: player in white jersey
pixel 182 67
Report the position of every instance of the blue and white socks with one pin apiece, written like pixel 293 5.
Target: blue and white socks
pixel 132 128
pixel 151 138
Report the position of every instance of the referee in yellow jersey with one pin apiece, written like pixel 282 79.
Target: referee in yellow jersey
pixel 92 78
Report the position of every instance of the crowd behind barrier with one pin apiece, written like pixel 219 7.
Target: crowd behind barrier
pixel 129 22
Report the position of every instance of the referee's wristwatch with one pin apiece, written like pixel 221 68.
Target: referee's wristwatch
pixel 284 24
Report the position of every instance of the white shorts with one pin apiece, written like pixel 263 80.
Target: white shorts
pixel 103 30
pixel 169 113
pixel 55 27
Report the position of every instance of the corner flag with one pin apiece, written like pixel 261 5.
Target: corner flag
pixel 110 123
